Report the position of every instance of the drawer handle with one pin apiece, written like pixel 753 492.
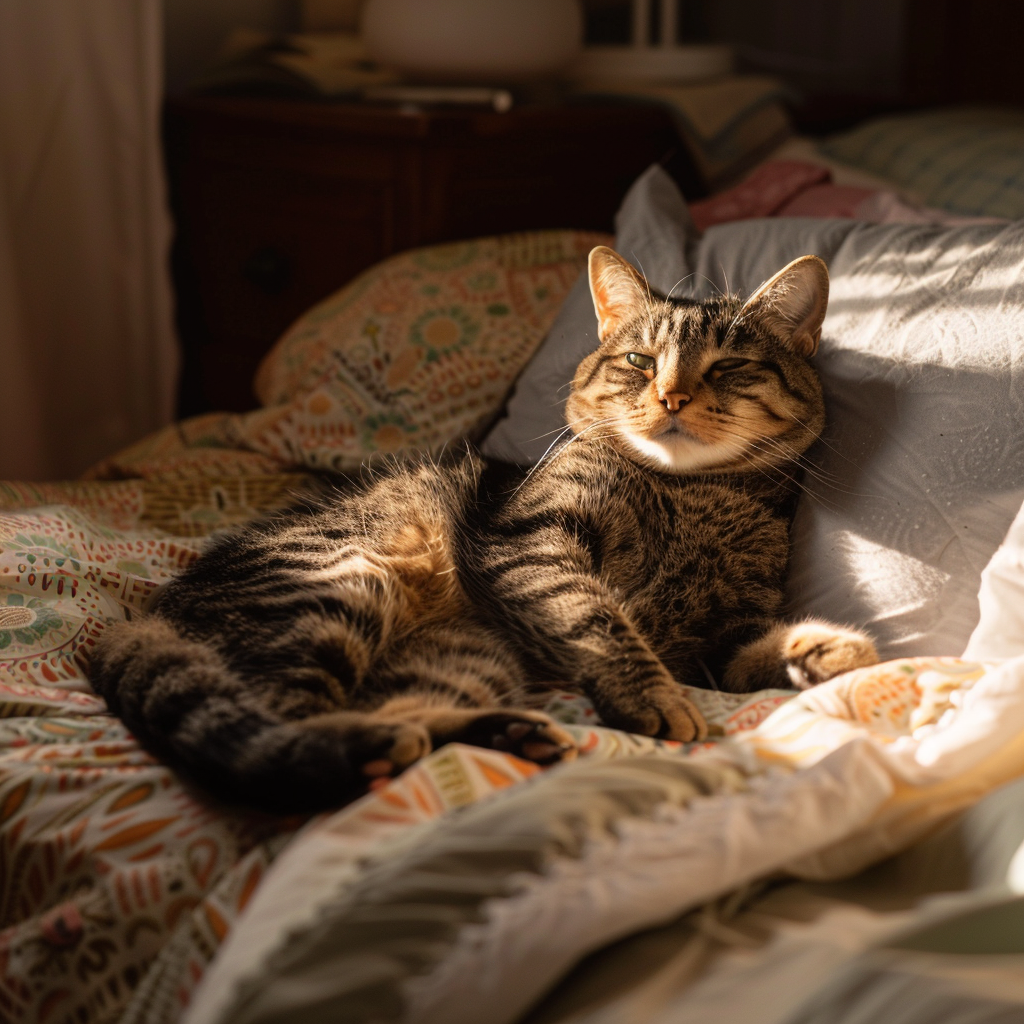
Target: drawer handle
pixel 268 269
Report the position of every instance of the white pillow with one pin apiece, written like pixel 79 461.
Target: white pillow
pixel 1000 630
pixel 921 468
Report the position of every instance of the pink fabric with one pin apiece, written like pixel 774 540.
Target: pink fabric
pixel 770 187
pixel 796 188
pixel 827 200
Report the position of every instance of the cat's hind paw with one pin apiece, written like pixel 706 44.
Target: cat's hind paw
pixel 541 742
pixel 662 710
pixel 530 735
pixel 387 749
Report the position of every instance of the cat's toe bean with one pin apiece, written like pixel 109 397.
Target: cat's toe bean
pixel 541 742
pixel 390 749
pixel 410 743
pixel 542 753
pixel 526 734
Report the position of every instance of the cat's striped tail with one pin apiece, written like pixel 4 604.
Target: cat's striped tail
pixel 186 706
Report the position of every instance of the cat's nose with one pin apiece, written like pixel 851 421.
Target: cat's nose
pixel 674 400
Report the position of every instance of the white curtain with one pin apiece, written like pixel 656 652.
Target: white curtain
pixel 88 358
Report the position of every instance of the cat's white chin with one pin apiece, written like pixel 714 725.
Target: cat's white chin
pixel 679 453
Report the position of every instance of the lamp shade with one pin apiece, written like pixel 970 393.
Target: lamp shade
pixel 496 41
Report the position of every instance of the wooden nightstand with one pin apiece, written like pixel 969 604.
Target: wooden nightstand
pixel 279 203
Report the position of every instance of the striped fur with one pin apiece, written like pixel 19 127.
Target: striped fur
pixel 322 649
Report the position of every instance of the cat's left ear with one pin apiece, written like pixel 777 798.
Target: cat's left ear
pixel 792 304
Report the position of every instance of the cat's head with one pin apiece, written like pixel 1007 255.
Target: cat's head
pixel 715 386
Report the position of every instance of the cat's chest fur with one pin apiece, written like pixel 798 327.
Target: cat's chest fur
pixel 685 556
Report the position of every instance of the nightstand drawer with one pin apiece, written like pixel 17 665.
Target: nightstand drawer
pixel 225 371
pixel 279 204
pixel 265 251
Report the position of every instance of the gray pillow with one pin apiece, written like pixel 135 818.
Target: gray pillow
pixel 921 468
pixel 651 232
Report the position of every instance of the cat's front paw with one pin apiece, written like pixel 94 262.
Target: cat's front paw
pixel 817 651
pixel 661 710
pixel 385 749
pixel 800 655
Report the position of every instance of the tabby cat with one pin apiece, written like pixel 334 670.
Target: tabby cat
pixel 323 649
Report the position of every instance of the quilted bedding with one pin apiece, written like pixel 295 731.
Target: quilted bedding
pixel 106 861
pixel 475 917
pixel 118 883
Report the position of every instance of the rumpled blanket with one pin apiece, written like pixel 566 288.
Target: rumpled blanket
pixel 784 187
pixel 117 883
pixel 475 916
pixel 472 881
pixel 120 884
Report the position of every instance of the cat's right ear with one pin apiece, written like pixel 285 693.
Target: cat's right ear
pixel 619 291
pixel 792 304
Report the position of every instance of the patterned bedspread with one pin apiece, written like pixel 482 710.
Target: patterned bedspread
pixel 118 883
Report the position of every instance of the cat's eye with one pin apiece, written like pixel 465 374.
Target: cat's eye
pixel 725 365
pixel 640 361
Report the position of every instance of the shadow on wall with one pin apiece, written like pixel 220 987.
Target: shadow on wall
pixel 195 29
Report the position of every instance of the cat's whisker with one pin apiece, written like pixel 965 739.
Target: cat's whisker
pixel 559 430
pixel 824 441
pixel 824 478
pixel 714 285
pixel 681 280
pixel 810 470
pixel 545 461
pixel 768 472
pixel 708 675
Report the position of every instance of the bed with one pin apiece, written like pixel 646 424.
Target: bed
pixel 823 855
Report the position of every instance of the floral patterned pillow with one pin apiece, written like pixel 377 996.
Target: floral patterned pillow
pixel 419 350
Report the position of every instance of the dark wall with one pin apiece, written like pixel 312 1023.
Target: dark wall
pixel 967 52
pixel 896 52
pixel 840 47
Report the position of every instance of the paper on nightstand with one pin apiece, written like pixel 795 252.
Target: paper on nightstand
pixel 312 63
